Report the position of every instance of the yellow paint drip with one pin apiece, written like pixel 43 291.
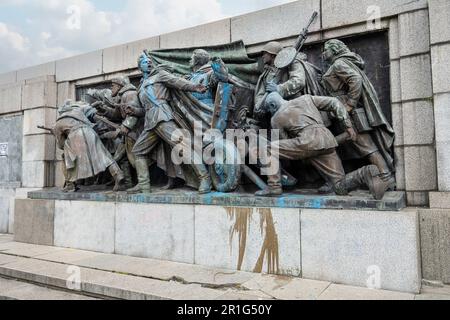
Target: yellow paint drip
pixel 270 248
pixel 241 218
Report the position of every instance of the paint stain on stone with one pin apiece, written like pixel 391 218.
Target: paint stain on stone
pixel 270 247
pixel 241 218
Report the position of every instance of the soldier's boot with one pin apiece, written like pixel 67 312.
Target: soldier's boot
pixel 326 188
pixel 170 184
pixel 70 187
pixel 203 175
pixel 287 180
pixel 385 173
pixel 270 192
pixel 368 176
pixel 143 175
pixel 126 168
pixel 274 187
pixel 118 176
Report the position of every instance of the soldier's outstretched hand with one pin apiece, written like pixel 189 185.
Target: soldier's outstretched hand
pixel 272 87
pixel 201 88
pixel 131 111
pixel 352 134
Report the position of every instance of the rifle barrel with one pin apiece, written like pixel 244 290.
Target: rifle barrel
pixel 300 42
pixel 44 128
pixel 303 35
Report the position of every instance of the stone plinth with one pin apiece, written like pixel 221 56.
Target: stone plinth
pixel 360 200
pixel 435 244
pixel 274 240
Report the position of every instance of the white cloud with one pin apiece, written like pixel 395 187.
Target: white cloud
pixel 52 31
pixel 12 39
pixel 13 47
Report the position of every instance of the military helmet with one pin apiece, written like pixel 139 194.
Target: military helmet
pixel 273 47
pixel 121 81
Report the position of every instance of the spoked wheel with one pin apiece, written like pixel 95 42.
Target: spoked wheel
pixel 226 172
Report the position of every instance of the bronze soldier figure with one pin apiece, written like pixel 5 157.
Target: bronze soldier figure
pixel 305 137
pixel 346 80
pixel 292 80
pixel 154 95
pixel 131 127
pixel 203 73
pixel 85 156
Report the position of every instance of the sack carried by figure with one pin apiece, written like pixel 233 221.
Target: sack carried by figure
pixel 360 121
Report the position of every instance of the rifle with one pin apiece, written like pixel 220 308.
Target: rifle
pixel 45 128
pixel 304 34
pixel 107 122
pixel 289 54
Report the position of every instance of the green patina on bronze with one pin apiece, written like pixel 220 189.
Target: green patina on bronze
pixel 234 55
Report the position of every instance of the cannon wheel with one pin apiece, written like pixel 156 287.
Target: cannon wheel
pixel 226 177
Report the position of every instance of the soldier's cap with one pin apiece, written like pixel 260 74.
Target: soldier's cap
pixel 69 105
pixel 121 81
pixel 272 47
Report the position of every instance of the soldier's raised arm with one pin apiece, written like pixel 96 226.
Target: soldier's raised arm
pixel 333 106
pixel 175 82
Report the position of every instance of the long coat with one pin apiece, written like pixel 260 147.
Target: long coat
pixel 84 154
pixel 302 128
pixel 346 80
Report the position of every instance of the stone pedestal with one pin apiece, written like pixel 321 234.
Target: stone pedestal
pixel 342 246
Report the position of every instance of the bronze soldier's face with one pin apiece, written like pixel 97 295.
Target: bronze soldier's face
pixel 145 65
pixel 192 61
pixel 115 89
pixel 327 54
pixel 268 58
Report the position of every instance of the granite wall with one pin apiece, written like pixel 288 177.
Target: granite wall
pixel 11 138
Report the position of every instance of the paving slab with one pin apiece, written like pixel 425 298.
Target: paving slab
pixel 68 256
pixel 36 271
pixel 244 295
pixel 147 279
pixel 15 290
pixel 8 284
pixel 136 288
pixel 25 250
pixel 435 291
pixel 432 297
pixel 104 283
pixel 287 288
pixel 340 292
pixel 5 259
pixel 150 268
pixel 164 270
pixel 6 238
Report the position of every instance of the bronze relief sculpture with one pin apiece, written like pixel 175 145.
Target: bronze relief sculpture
pixel 220 88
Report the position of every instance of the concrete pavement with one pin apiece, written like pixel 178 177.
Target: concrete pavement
pixel 29 272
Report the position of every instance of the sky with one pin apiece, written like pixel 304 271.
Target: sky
pixel 38 31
